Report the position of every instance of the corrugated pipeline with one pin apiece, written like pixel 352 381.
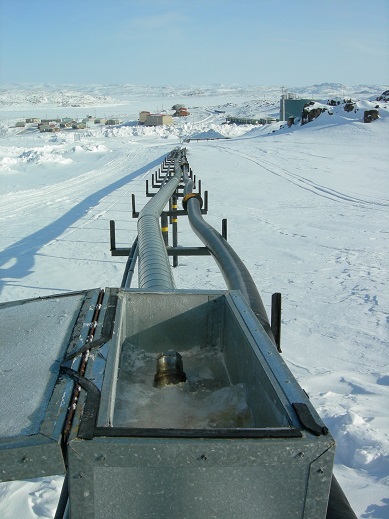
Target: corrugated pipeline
pixel 154 272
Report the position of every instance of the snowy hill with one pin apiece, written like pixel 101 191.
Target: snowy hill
pixel 34 96
pixel 94 95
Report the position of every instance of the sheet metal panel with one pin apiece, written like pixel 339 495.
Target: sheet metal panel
pixel 190 478
pixel 34 337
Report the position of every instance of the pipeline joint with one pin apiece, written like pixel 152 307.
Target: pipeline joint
pixel 191 195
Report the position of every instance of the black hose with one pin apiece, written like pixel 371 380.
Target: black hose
pixel 63 499
pixel 235 273
pixel 338 505
pixel 130 265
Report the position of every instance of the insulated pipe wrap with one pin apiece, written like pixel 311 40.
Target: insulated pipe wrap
pixel 154 267
pixel 154 272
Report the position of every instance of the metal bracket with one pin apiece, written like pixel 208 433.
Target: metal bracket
pixel 276 319
pixel 91 407
pixel 106 331
pixel 308 421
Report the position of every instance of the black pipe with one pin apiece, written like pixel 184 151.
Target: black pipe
pixel 130 265
pixel 112 234
pixel 235 273
pixel 338 505
pixel 276 318
pixel 175 229
pixel 63 501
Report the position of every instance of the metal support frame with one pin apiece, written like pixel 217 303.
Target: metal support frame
pixel 174 222
pixel 276 319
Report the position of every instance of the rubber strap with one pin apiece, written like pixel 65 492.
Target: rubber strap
pixel 189 196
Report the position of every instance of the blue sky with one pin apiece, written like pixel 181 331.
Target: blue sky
pixel 198 42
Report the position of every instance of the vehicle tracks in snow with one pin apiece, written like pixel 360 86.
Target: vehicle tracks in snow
pixel 304 182
pixel 14 204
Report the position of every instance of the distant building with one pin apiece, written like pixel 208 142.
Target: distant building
pixel 251 120
pixel 47 128
pixel 180 111
pixel 33 120
pixel 20 124
pixel 79 126
pixel 67 124
pixel 112 122
pixel 89 121
pixel 100 120
pixel 159 120
pixel 149 119
pixel 143 116
pixel 291 106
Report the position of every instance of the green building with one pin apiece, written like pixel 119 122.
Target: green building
pixel 291 106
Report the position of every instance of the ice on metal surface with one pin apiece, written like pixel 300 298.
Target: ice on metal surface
pixel 207 400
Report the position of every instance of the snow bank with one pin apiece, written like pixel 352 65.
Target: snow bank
pixel 13 157
pixel 30 499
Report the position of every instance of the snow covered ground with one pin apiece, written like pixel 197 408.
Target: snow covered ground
pixel 307 210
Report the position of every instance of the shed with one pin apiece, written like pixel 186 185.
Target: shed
pixel 89 121
pixel 68 124
pixel 250 120
pixel 47 128
pixel 143 116
pixel 159 120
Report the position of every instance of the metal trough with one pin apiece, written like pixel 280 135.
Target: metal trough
pixel 239 436
pixel 235 439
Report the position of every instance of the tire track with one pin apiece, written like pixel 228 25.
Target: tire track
pixel 305 183
pixel 14 204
